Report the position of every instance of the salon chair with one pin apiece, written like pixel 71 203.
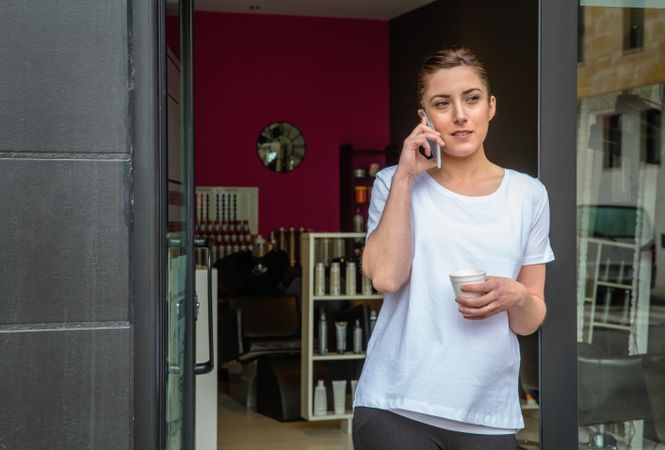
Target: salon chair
pixel 262 327
pixel 611 389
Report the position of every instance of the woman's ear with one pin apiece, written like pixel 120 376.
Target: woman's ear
pixel 492 110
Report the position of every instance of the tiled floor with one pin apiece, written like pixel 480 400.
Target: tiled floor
pixel 243 429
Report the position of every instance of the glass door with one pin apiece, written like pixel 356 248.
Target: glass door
pixel 621 225
pixel 179 265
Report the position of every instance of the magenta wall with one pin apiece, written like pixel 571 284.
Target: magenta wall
pixel 329 77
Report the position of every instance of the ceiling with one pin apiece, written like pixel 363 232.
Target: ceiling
pixel 357 9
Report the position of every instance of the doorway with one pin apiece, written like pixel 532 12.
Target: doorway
pixel 253 69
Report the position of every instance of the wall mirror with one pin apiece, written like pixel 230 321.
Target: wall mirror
pixel 281 146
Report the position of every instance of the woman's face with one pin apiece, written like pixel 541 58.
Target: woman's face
pixel 456 101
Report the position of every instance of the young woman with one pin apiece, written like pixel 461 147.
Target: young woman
pixel 442 371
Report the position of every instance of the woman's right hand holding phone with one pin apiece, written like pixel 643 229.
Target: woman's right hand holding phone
pixel 411 161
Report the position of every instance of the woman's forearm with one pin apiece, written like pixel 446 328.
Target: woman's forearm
pixel 389 250
pixel 527 315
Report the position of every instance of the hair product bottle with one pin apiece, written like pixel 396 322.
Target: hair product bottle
pixel 320 279
pixel 357 338
pixel 350 278
pixel 320 399
pixel 366 287
pixel 372 321
pixel 323 333
pixel 335 288
pixel 340 329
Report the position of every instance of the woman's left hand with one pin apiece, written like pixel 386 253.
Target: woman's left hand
pixel 498 294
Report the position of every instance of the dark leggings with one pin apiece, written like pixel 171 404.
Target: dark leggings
pixel 376 429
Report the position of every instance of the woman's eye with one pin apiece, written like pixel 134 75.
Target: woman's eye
pixel 441 104
pixel 473 99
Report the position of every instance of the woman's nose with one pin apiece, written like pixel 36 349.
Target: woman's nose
pixel 459 115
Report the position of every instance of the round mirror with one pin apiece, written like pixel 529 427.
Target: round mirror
pixel 281 146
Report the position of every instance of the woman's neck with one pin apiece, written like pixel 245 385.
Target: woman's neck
pixel 473 175
pixel 473 167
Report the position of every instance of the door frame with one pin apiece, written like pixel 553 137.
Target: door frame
pixel 148 115
pixel 149 177
pixel 557 155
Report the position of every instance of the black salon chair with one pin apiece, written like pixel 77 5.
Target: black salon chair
pixel 258 328
pixel 610 390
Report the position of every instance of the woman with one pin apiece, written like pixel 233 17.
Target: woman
pixel 442 371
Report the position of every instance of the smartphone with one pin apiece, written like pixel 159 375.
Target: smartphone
pixel 433 145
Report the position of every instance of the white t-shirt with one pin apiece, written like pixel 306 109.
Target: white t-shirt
pixel 424 360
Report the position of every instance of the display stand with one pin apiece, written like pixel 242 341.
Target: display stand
pixel 309 302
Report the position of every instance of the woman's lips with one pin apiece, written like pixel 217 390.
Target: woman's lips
pixel 462 134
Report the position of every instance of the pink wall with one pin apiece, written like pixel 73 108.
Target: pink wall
pixel 329 77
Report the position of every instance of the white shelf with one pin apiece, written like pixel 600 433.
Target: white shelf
pixel 614 285
pixel 346 297
pixel 330 415
pixel 613 326
pixel 337 235
pixel 338 357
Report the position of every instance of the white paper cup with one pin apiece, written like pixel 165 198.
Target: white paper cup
pixel 462 277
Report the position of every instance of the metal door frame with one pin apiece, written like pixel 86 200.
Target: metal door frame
pixel 148 117
pixel 557 154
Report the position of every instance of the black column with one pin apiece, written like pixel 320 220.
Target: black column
pixel 557 162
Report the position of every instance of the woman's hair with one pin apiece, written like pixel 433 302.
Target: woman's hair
pixel 447 59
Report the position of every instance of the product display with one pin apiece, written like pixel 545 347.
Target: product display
pixel 325 251
pixel 339 396
pixel 358 173
pixel 323 333
pixel 320 279
pixel 224 227
pixel 340 331
pixel 358 221
pixel 339 248
pixel 366 286
pixel 331 299
pixel 320 399
pixel 357 338
pixel 360 194
pixel 354 383
pixel 335 288
pixel 372 321
pixel 350 278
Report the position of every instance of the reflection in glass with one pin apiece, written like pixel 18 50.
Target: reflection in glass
pixel 177 237
pixel 620 229
pixel 281 147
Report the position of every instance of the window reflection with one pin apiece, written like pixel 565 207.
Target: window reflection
pixel 621 229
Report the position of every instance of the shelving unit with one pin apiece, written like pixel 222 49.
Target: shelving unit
pixel 308 356
pixel 351 158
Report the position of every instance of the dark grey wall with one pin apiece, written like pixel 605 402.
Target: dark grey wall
pixel 504 36
pixel 66 335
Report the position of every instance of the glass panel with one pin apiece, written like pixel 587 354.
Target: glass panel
pixel 178 238
pixel 621 227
